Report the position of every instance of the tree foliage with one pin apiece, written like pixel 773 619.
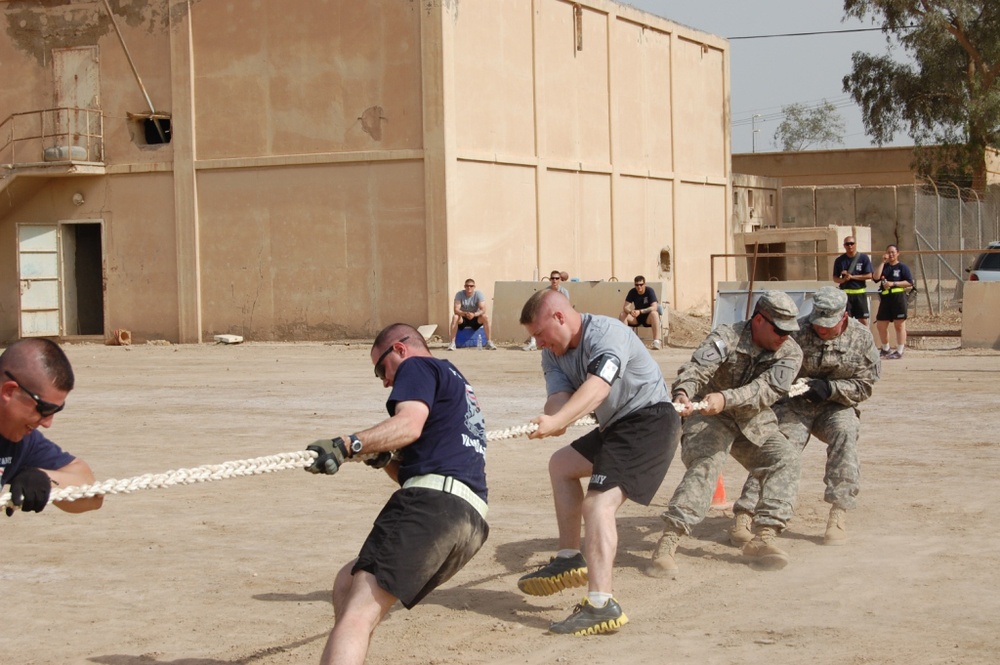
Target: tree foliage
pixel 947 90
pixel 804 127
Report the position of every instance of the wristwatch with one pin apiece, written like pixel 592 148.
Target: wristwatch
pixel 356 445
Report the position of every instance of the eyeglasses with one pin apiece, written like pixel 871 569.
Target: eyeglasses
pixel 848 244
pixel 556 278
pixel 777 331
pixel 470 286
pixel 45 409
pixel 379 370
pixel 640 283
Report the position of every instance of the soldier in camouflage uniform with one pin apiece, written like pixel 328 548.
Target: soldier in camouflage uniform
pixel 739 371
pixel 841 363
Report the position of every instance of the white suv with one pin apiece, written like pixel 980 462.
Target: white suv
pixel 986 267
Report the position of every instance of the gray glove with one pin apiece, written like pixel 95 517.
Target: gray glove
pixel 330 454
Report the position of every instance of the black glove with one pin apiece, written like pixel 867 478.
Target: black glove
pixel 331 453
pixel 30 490
pixel 819 390
pixel 379 461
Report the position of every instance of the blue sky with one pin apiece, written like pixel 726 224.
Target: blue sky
pixel 767 74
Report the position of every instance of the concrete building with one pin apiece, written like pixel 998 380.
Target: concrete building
pixel 311 169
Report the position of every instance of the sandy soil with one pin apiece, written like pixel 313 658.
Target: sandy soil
pixel 239 571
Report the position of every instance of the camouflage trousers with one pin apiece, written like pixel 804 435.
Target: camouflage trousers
pixel 706 442
pixel 835 425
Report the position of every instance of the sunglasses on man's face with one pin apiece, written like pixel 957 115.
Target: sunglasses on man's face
pixel 45 409
pixel 848 244
pixel 379 369
pixel 777 331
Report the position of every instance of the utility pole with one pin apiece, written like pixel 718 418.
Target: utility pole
pixel 753 122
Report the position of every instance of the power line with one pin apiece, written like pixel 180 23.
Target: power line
pixel 818 32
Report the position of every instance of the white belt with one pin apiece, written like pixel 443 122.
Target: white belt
pixel 449 485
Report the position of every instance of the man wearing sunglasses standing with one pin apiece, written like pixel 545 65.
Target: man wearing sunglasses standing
pixel 851 270
pixel 35 379
pixel 739 371
pixel 434 445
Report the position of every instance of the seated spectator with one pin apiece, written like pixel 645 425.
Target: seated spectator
pixel 470 313
pixel 642 309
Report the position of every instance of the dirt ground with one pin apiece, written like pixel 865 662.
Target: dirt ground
pixel 239 571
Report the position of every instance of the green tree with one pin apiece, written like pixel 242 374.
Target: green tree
pixel 945 93
pixel 804 127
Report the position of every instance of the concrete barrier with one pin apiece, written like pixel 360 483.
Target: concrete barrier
pixel 981 315
pixel 596 297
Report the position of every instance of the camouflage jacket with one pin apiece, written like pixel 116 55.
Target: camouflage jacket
pixel 849 361
pixel 750 378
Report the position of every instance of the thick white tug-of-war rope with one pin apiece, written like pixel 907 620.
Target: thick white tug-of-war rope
pixel 269 464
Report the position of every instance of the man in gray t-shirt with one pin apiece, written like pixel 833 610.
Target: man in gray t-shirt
pixel 594 364
pixel 469 311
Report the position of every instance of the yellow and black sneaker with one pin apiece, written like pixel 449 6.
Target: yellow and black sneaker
pixel 589 620
pixel 558 574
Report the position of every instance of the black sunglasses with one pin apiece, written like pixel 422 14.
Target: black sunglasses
pixel 777 331
pixel 379 370
pixel 847 244
pixel 44 408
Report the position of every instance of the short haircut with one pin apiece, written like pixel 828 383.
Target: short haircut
pixel 639 278
pixel 534 306
pixel 394 332
pixel 44 353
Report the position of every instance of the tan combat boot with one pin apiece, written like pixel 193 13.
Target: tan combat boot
pixel 763 551
pixel 663 563
pixel 741 533
pixel 836 527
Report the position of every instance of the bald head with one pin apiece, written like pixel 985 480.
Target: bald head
pixel 544 303
pixel 41 359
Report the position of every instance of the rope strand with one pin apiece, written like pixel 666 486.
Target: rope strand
pixel 268 464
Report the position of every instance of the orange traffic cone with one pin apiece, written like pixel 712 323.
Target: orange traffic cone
pixel 719 498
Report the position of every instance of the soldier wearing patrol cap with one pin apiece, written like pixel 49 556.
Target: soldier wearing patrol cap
pixel 841 364
pixel 739 371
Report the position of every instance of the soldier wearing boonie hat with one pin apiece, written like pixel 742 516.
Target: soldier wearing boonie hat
pixel 841 365
pixel 737 372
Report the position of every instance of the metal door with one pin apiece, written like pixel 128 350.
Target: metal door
pixel 76 75
pixel 38 269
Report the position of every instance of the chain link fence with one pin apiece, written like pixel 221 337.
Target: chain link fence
pixel 956 222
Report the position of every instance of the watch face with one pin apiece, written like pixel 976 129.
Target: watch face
pixel 355 445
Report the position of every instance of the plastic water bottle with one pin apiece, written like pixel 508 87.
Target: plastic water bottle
pixel 479 342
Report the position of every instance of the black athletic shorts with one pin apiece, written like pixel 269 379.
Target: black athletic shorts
pixel 419 541
pixel 891 307
pixel 641 320
pixel 473 324
pixel 857 305
pixel 633 453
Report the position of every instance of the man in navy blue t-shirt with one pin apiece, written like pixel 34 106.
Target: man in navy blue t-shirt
pixel 35 379
pixel 642 309
pixel 434 445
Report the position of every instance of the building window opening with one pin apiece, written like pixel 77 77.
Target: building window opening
pixel 151 128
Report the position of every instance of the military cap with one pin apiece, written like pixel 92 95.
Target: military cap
pixel 829 305
pixel 780 309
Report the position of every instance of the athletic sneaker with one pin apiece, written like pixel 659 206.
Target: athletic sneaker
pixel 530 346
pixel 589 620
pixel 882 353
pixel 451 347
pixel 490 345
pixel 894 355
pixel 558 574
pixel 656 345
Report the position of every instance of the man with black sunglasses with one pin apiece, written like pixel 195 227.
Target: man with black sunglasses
pixel 434 446
pixel 35 379
pixel 739 371
pixel 851 271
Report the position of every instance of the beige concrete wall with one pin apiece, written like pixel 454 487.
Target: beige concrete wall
pixel 865 166
pixel 981 315
pixel 337 166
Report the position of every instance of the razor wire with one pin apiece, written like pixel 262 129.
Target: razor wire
pixel 256 466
